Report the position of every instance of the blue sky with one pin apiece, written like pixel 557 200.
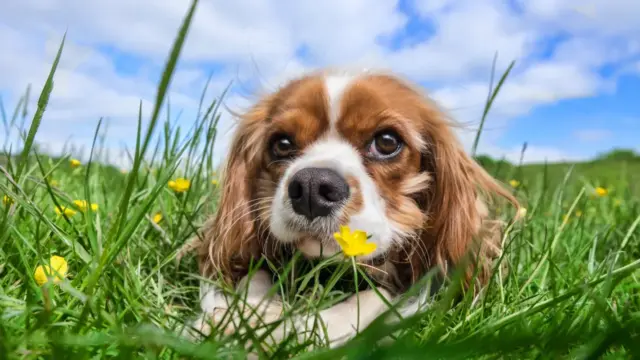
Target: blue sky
pixel 584 126
pixel 572 94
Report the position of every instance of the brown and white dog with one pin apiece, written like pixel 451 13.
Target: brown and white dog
pixel 364 149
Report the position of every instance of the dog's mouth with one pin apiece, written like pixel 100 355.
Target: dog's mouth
pixel 320 229
pixel 294 231
pixel 313 247
pixel 314 239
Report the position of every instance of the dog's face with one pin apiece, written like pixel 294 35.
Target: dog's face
pixel 364 150
pixel 343 150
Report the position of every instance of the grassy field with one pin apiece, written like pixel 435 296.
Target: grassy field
pixel 572 291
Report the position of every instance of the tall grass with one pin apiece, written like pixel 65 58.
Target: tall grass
pixel 572 289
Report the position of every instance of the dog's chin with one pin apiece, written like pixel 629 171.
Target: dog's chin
pixel 312 247
pixel 314 241
pixel 313 238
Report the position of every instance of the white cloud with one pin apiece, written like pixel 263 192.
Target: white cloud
pixel 468 35
pixel 540 154
pixel 252 41
pixel 580 16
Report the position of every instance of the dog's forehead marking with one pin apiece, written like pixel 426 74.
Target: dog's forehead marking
pixel 336 85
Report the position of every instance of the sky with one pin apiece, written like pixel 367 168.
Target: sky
pixel 572 94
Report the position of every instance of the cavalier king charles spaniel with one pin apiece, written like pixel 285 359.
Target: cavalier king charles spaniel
pixel 363 149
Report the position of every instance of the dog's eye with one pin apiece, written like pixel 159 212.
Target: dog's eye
pixel 384 145
pixel 282 147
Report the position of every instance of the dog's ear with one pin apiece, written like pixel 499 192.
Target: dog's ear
pixel 230 239
pixel 458 231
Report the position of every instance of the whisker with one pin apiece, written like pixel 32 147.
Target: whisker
pixel 250 202
pixel 233 212
pixel 225 231
pixel 372 268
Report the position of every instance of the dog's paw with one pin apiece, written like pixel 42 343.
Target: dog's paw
pixel 238 321
pixel 227 321
pixel 196 329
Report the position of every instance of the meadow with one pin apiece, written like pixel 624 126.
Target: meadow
pixel 572 289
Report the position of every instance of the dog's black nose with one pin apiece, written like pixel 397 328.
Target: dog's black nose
pixel 317 192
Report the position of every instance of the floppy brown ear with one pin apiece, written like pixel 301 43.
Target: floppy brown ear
pixel 230 239
pixel 459 232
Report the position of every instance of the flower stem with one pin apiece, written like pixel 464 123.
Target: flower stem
pixel 355 279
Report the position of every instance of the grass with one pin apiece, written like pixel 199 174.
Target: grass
pixel 572 290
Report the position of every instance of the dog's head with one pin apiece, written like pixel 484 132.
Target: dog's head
pixel 366 150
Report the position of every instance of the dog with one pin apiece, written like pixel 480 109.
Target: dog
pixel 365 149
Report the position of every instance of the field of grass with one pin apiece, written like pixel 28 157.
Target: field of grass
pixel 572 290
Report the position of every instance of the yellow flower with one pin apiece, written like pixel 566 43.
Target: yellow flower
pixel 578 213
pixel 354 243
pixel 75 163
pixel 82 205
pixel 157 218
pixel 65 210
pixel 600 191
pixel 7 200
pixel 514 183
pixel 56 269
pixel 214 182
pixel 179 185
pixel 522 212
